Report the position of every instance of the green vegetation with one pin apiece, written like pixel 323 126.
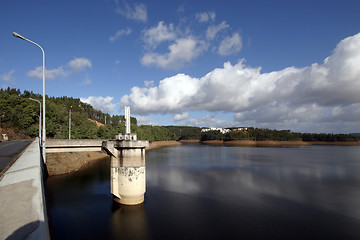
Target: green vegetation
pixel 257 134
pixel 184 132
pixel 20 113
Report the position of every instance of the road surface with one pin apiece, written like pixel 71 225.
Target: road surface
pixel 9 151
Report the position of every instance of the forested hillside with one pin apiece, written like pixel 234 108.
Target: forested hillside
pixel 257 134
pixel 19 118
pixel 19 114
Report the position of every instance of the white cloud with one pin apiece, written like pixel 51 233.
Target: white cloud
pixel 297 98
pixel 204 17
pixel 101 103
pixel 171 95
pixel 79 64
pixel 230 45
pixel 149 83
pixel 121 32
pixel 74 66
pixel 138 12
pixel 183 51
pixel 209 121
pixel 7 77
pixel 49 73
pixel 184 43
pixel 213 30
pixel 181 116
pixel 141 120
pixel 155 35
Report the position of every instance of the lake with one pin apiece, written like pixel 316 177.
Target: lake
pixel 218 192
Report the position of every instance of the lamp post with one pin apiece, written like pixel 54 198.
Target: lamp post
pixel 43 77
pixel 70 122
pixel 39 119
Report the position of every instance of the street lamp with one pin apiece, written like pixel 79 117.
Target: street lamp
pixel 39 119
pixel 43 77
pixel 70 122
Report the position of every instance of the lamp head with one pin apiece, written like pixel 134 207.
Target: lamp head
pixel 18 35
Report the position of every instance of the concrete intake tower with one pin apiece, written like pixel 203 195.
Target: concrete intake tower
pixel 128 168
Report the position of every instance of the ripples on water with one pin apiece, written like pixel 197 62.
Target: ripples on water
pixel 217 192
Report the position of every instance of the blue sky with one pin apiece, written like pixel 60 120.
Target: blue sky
pixel 272 64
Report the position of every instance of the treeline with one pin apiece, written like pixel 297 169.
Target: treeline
pixel 258 134
pixel 184 132
pixel 20 113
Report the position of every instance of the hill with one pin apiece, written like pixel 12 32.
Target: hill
pixel 19 117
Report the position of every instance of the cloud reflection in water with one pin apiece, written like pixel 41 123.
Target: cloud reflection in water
pixel 322 176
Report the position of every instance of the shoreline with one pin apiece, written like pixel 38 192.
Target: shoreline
pixel 159 144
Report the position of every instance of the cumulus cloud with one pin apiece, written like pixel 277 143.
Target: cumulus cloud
pixel 292 97
pixel 185 43
pixel 101 103
pixel 214 29
pixel 204 17
pixel 74 66
pixel 49 73
pixel 138 12
pixel 209 120
pixel 155 35
pixel 8 77
pixel 230 45
pixel 79 64
pixel 183 51
pixel 121 32
pixel 181 116
pixel 172 95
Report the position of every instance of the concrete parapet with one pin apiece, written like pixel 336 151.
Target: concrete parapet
pixel 22 202
pixel 73 145
pixel 73 142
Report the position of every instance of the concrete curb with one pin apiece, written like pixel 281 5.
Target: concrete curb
pixel 22 202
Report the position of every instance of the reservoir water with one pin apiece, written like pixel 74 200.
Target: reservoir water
pixel 218 192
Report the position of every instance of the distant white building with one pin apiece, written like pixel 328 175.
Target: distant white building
pixel 240 129
pixel 222 130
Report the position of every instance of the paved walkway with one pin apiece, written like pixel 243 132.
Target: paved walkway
pixel 22 208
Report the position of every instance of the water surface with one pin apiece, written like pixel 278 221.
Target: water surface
pixel 218 192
